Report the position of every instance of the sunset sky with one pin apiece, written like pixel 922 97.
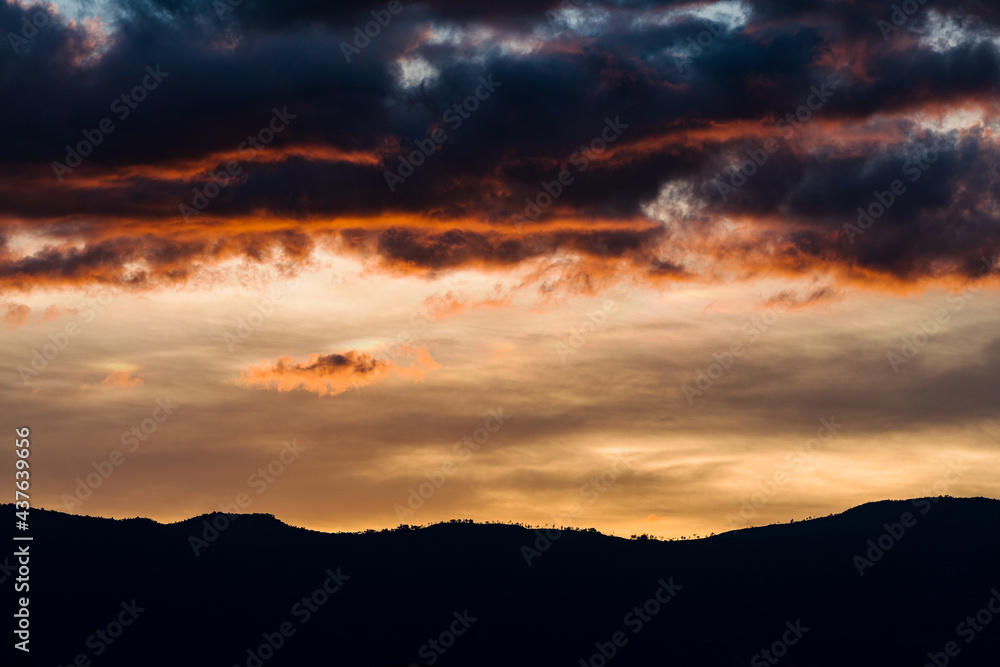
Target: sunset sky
pixel 669 267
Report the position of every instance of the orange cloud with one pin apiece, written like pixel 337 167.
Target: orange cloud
pixel 15 314
pixel 452 302
pixel 54 312
pixel 122 379
pixel 331 374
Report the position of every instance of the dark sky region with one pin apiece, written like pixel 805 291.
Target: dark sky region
pixel 651 267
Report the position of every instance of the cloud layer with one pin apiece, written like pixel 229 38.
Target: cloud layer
pixel 612 132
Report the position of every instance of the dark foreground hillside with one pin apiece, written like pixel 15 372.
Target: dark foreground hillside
pixel 106 592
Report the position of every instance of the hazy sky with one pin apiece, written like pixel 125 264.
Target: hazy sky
pixel 574 310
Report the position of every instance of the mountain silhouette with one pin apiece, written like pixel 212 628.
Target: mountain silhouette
pixel 886 583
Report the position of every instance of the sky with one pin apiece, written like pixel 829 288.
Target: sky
pixel 653 267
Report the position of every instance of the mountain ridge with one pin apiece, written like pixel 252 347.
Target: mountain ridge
pixel 262 516
pixel 538 596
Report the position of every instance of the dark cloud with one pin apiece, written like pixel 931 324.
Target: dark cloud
pixel 332 374
pixel 687 116
pixel 332 364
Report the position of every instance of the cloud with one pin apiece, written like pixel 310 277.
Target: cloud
pixel 331 374
pixel 14 315
pixel 448 303
pixel 122 380
pixel 648 198
pixel 792 299
pixel 54 312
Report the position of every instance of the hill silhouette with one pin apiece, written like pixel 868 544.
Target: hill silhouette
pixel 797 591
